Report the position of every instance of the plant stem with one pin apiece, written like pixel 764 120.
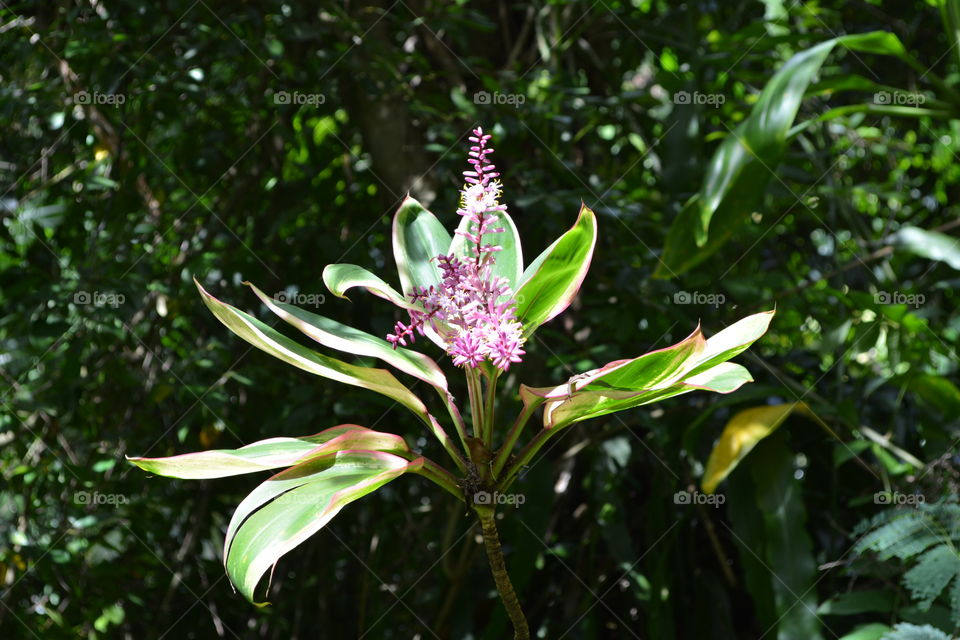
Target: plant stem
pixel 498 567
pixel 447 443
pixel 476 402
pixel 488 409
pixel 457 418
pixel 512 436
pixel 525 456
pixel 434 472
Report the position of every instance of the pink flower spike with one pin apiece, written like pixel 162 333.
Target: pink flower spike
pixel 471 309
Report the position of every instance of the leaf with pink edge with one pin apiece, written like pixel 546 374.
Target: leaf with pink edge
pixel 280 346
pixel 335 335
pixel 272 453
pixel 293 505
pixel 550 283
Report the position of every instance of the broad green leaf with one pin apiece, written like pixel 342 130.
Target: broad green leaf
pixel 692 364
pixel 871 631
pixel 508 262
pixel 279 346
pixel 272 453
pixel 418 238
pixel 335 335
pixel 740 435
pixel 854 602
pixel 734 340
pixel 652 370
pixel 550 283
pixel 744 164
pixel 950 16
pixel 932 245
pixel 748 540
pixel 583 405
pixel 296 503
pixel 787 549
pixel 938 392
pixel 340 278
pixel 725 377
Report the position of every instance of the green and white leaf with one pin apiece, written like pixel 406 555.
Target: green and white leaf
pixel 272 453
pixel 418 238
pixel 689 365
pixel 293 505
pixel 336 335
pixel 278 345
pixel 340 278
pixel 508 262
pixel 550 283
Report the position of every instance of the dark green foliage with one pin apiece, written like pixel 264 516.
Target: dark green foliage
pixel 925 539
pixel 107 212
pixel 906 631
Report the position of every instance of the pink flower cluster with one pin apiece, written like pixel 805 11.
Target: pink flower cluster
pixel 472 309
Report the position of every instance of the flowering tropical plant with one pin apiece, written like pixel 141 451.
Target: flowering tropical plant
pixel 471 295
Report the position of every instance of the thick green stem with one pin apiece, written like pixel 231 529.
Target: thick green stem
pixel 476 402
pixel 498 567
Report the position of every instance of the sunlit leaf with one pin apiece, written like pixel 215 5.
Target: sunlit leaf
pixel 272 453
pixel 335 335
pixel 871 631
pixel 291 506
pixel 550 283
pixel 279 346
pixel 340 278
pixel 740 435
pixel 509 260
pixel 745 162
pixel 418 238
pixel 692 364
pixel 734 340
pixel 932 245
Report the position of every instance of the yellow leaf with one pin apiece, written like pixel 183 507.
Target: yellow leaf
pixel 742 433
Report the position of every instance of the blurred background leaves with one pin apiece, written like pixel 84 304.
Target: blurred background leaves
pixel 145 144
